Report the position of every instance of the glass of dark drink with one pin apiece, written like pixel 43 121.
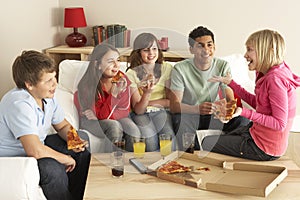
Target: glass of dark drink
pixel 117 163
pixel 118 144
pixel 188 142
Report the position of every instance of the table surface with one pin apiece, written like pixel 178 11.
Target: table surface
pixel 133 185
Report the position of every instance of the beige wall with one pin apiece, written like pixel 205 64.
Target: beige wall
pixel 38 24
pixel 30 24
pixel 231 20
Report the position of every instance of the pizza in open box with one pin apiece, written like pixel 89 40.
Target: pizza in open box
pixel 173 167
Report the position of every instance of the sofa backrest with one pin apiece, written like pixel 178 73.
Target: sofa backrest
pixel 70 73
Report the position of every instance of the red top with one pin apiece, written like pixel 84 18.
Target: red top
pixel 109 107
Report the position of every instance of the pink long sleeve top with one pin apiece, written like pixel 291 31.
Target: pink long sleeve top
pixel 274 102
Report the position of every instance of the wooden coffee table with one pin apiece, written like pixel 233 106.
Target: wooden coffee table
pixel 101 184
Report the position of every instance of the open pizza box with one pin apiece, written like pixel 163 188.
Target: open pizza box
pixel 211 173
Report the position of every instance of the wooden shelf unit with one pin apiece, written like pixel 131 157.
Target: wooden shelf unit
pixel 63 52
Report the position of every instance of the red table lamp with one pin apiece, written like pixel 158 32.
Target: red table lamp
pixel 74 18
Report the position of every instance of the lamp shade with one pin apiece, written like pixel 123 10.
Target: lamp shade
pixel 74 18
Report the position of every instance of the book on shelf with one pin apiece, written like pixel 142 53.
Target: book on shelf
pixel 114 34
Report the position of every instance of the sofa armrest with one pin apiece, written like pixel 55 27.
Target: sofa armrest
pixel 20 178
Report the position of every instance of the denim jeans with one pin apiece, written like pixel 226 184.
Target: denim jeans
pixel 109 129
pixel 55 182
pixel 192 122
pixel 153 124
pixel 238 143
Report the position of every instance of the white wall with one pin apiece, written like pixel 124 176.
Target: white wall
pixel 30 24
pixel 35 24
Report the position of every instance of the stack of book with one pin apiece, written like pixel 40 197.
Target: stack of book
pixel 114 34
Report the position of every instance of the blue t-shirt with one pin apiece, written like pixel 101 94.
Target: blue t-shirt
pixel 20 115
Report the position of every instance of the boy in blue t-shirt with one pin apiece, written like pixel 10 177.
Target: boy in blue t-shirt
pixel 26 114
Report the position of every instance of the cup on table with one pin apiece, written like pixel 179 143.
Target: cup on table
pixel 165 143
pixel 117 163
pixel 118 143
pixel 139 147
pixel 188 142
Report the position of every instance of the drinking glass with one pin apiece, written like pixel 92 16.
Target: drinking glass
pixel 165 142
pixel 118 143
pixel 117 163
pixel 188 142
pixel 139 147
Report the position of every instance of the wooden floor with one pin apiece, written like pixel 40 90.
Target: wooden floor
pixel 101 185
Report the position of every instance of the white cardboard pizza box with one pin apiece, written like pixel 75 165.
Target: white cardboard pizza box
pixel 238 178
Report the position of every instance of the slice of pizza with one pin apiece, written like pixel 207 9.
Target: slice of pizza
pixel 73 140
pixel 149 79
pixel 117 77
pixel 173 167
pixel 224 109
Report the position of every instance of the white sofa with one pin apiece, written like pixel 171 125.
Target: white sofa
pixel 20 179
pixel 20 176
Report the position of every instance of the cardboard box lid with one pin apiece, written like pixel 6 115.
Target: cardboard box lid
pixel 242 178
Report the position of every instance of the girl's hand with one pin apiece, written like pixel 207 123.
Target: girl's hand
pixel 89 114
pixel 118 87
pixel 226 79
pixel 148 87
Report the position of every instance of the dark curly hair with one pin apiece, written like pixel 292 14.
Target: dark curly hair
pixel 199 32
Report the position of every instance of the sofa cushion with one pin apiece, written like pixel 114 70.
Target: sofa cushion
pixel 70 73
pixel 20 178
pixel 65 100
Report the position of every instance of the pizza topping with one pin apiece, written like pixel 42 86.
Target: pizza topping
pixel 73 140
pixel 149 79
pixel 117 77
pixel 203 168
pixel 173 167
pixel 224 109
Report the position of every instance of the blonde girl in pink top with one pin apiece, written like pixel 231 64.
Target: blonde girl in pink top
pixel 274 101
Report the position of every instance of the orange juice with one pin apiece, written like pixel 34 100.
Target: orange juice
pixel 165 147
pixel 139 149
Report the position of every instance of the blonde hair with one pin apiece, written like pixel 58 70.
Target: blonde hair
pixel 269 46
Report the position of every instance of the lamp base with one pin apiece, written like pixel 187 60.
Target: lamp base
pixel 76 39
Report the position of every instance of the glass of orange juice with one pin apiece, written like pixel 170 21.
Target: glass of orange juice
pixel 165 142
pixel 139 147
